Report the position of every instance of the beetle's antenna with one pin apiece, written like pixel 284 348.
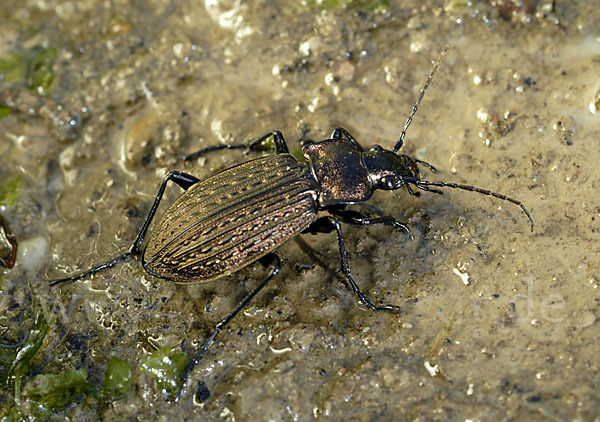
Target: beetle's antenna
pixel 416 106
pixel 423 185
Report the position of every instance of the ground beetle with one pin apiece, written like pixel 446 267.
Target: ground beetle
pixel 242 214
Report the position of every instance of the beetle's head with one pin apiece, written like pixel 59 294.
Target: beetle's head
pixel 389 171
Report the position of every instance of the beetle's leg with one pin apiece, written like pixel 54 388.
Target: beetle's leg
pixel 212 148
pixel 271 260
pixel 426 164
pixel 252 145
pixel 184 180
pixel 321 225
pixel 358 219
pixel 412 192
pixel 280 145
pixel 340 133
pixel 346 271
pixel 327 225
pixel 123 258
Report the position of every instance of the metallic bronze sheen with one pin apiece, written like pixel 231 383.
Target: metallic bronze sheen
pixel 342 180
pixel 231 219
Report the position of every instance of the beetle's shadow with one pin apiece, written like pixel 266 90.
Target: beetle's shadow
pixel 334 273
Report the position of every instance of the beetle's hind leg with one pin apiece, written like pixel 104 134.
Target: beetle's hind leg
pixel 271 260
pixel 122 258
pixel 252 145
pixel 184 180
pixel 328 225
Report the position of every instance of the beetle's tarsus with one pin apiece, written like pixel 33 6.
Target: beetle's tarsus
pixel 121 258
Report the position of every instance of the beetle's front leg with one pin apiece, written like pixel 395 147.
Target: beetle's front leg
pixel 280 145
pixel 327 225
pixel 358 219
pixel 339 133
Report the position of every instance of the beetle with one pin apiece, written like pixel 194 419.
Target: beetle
pixel 244 213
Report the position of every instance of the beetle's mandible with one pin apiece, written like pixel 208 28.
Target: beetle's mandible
pixel 244 213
